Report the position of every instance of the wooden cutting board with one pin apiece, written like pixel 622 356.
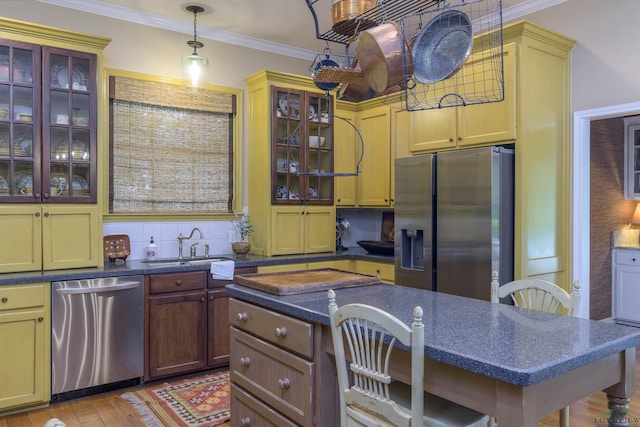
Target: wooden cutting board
pixel 302 281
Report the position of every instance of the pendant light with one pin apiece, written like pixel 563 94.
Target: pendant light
pixel 194 66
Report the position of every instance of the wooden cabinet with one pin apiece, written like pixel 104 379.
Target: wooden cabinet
pixel 49 237
pixel 177 323
pixel 218 328
pixel 26 339
pixel 48 148
pixel 473 125
pixel 626 286
pixel 302 151
pixel 48 133
pixel 298 222
pixel 272 360
pixel 188 323
pixel 632 158
pixel 302 229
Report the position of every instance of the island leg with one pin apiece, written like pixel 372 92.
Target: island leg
pixel 619 395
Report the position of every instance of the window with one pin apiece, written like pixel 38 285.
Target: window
pixel 171 149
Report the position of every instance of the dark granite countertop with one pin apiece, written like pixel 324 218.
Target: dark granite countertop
pixel 518 346
pixel 130 268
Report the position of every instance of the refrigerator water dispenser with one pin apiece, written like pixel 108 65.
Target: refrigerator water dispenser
pixel 412 249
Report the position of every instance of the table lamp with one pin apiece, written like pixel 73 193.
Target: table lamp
pixel 635 219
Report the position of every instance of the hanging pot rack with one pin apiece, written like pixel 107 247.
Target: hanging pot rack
pixel 358 134
pixel 385 10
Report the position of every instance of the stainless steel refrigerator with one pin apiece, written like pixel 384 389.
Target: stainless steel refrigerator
pixel 454 220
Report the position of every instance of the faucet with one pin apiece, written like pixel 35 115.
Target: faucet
pixel 181 238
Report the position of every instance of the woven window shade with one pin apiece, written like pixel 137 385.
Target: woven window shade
pixel 170 158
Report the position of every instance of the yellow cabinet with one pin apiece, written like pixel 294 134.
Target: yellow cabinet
pixel 345 159
pixel 385 271
pixel 290 226
pixel 48 237
pixel 303 229
pixel 372 186
pixel 26 340
pixel 473 125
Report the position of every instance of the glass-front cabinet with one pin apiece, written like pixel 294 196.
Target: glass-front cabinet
pixel 47 124
pixel 632 158
pixel 302 150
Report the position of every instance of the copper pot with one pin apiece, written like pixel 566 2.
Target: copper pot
pixel 344 12
pixel 380 54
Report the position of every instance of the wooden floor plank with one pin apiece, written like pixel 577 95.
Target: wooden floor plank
pixel 110 409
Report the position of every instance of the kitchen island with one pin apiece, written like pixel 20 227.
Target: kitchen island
pixel 514 364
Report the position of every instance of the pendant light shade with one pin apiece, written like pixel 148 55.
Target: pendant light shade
pixel 194 66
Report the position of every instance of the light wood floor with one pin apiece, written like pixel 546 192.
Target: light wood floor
pixel 109 409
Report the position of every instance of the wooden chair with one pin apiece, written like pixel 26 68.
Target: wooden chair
pixel 373 398
pixel 537 294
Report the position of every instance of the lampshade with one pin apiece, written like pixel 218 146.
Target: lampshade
pixel 635 219
pixel 194 66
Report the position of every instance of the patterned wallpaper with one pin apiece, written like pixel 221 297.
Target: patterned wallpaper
pixel 609 210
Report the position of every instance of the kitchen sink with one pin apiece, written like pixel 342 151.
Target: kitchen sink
pixel 175 262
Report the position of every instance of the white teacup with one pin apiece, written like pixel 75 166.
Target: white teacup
pixel 55 191
pixel 25 190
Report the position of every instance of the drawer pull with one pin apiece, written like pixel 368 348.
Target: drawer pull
pixel 242 317
pixel 5 299
pixel 281 332
pixel 179 282
pixel 245 362
pixel 245 422
pixel 284 384
pixel 40 319
pixel 633 259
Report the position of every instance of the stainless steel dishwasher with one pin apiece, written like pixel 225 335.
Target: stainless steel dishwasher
pixel 97 333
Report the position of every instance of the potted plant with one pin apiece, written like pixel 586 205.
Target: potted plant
pixel 244 228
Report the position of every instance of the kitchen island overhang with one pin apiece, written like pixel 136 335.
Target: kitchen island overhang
pixel 484 355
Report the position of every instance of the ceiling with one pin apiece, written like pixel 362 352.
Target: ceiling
pixel 280 26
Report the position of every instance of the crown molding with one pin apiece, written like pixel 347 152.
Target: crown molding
pixel 153 20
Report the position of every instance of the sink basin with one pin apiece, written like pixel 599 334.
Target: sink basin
pixel 175 262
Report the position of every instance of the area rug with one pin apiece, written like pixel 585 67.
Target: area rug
pixel 201 402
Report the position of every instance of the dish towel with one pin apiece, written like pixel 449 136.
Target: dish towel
pixel 222 270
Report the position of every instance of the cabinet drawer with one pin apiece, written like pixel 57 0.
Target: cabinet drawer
pixel 386 272
pixel 246 411
pixel 280 379
pixel 159 283
pixel 628 257
pixel 292 334
pixel 22 296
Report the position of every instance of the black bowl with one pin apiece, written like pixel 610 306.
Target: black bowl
pixel 377 247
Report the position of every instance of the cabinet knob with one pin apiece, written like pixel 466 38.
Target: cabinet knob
pixel 5 299
pixel 450 139
pixel 46 214
pixel 633 259
pixel 284 384
pixel 281 332
pixel 40 319
pixel 37 214
pixel 179 282
pixel 245 362
pixel 203 299
pixel 36 195
pixel 245 422
pixel 242 317
pixel 459 138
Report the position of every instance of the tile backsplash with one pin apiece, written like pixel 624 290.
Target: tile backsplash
pixel 165 235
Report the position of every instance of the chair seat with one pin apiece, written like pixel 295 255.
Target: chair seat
pixel 438 412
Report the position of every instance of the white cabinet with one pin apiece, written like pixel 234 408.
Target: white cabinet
pixel 626 286
pixel 632 158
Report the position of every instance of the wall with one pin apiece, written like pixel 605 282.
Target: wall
pixel 609 210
